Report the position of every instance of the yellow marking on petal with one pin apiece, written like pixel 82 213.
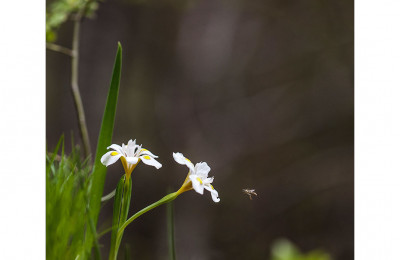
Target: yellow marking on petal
pixel 212 187
pixel 187 160
pixel 143 150
pixel 199 180
pixel 146 157
pixel 114 153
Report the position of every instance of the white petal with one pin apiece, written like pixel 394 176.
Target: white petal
pixel 202 169
pixel 179 158
pixel 125 149
pixel 116 147
pixel 214 193
pixel 130 148
pixel 108 159
pixel 147 152
pixel 132 160
pixel 197 185
pixel 208 180
pixel 146 159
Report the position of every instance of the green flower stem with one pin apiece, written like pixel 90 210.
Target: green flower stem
pixel 165 199
pixel 170 229
pixel 120 213
pixel 116 215
pixel 124 210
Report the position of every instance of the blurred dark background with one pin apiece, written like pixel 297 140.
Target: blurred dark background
pixel 260 90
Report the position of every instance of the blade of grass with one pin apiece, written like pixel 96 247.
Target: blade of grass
pixel 97 254
pixel 60 143
pixel 105 137
pixel 54 155
pixel 108 196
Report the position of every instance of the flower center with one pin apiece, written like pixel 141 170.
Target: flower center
pixel 199 180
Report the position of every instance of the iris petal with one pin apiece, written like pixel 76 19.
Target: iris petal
pixel 197 186
pixel 179 158
pixel 108 159
pixel 146 159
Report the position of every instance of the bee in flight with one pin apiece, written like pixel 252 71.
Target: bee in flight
pixel 250 192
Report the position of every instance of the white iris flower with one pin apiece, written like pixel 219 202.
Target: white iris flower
pixel 197 177
pixel 130 155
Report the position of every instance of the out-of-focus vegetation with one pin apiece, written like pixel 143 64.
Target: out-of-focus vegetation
pixel 67 215
pixel 59 11
pixel 285 250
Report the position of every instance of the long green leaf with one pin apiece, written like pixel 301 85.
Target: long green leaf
pixel 105 138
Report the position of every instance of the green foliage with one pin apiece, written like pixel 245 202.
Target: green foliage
pixel 67 193
pixel 73 195
pixel 60 10
pixel 284 250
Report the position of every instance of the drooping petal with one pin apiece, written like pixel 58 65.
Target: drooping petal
pixel 197 183
pixel 146 159
pixel 202 169
pixel 110 158
pixel 116 147
pixel 147 152
pixel 179 158
pixel 214 193
pixel 208 180
pixel 132 160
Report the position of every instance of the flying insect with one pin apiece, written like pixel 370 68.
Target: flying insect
pixel 250 192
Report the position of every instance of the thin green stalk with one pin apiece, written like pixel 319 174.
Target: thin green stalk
pixel 165 199
pixel 170 230
pixel 127 255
